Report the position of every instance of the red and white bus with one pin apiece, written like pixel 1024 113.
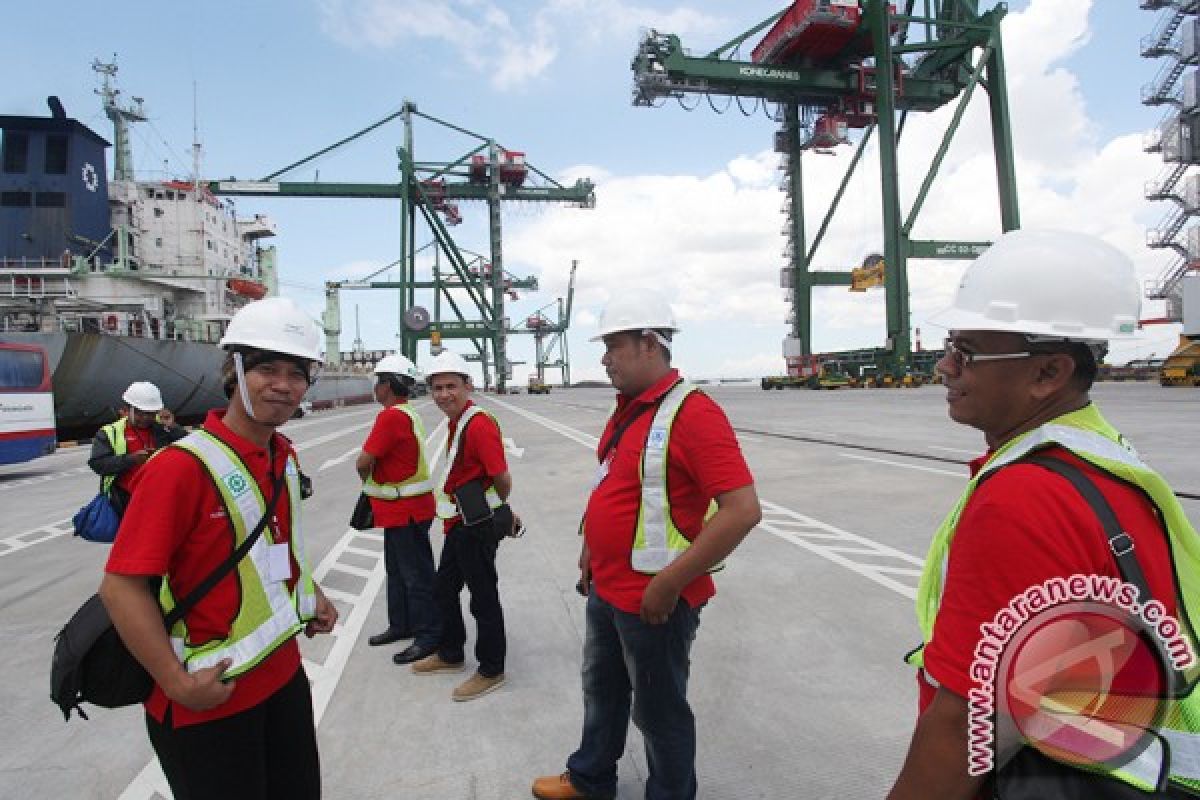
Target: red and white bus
pixel 26 403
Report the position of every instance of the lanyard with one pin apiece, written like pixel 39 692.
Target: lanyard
pixel 619 430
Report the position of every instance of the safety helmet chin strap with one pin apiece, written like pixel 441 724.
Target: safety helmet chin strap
pixel 241 382
pixel 664 341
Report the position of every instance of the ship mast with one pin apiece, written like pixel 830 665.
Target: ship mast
pixel 121 116
pixel 197 151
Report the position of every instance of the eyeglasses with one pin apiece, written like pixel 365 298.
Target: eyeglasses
pixel 964 358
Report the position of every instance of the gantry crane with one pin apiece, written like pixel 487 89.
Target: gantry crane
pixel 550 336
pixel 824 68
pixel 431 191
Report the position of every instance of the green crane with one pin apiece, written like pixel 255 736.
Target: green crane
pixel 429 192
pixel 550 336
pixel 871 81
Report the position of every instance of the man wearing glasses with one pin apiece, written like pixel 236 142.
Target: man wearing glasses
pixel 1032 318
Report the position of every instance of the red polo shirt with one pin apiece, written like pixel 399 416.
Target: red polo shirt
pixel 480 455
pixel 176 525
pixel 396 449
pixel 135 439
pixel 1023 526
pixel 703 461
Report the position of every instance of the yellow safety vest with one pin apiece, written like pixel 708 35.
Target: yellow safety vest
pixel 657 541
pixel 446 507
pixel 270 614
pixel 1175 754
pixel 115 433
pixel 415 485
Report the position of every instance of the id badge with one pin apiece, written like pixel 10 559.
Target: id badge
pixel 279 562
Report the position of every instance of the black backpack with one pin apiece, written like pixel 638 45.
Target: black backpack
pixel 91 664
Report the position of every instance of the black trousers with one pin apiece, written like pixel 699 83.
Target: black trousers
pixel 469 559
pixel 268 752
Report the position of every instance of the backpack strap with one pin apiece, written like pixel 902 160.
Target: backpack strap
pixel 1120 543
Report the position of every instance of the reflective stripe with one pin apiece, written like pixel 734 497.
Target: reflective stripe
pixel 419 482
pixel 657 541
pixel 448 509
pixel 466 417
pixel 1185 753
pixel 388 491
pixel 1147 769
pixel 1073 439
pixel 269 614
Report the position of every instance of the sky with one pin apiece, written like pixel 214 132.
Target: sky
pixel 687 201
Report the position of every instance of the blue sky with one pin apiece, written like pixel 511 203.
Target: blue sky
pixel 685 201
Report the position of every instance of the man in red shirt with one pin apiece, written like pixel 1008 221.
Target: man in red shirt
pixel 1032 318
pixel 120 448
pixel 230 714
pixel 649 546
pixel 395 476
pixel 477 517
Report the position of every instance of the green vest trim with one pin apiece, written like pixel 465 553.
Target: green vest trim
pixel 270 614
pixel 415 485
pixel 657 541
pixel 1089 436
pixel 115 433
pixel 446 507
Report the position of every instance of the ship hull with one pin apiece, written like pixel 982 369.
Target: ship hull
pixel 91 371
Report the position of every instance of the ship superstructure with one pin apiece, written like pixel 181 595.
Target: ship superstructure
pixel 123 279
pixel 80 253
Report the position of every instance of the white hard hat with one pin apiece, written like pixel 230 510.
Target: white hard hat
pixel 144 396
pixel 447 361
pixel 275 324
pixel 1053 284
pixel 636 310
pixel 397 364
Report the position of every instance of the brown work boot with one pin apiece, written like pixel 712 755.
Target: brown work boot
pixel 557 787
pixel 432 665
pixel 476 686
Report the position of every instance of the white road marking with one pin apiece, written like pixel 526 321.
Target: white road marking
pixel 44 533
pixel 806 532
pixel 329 437
pixel 959 475
pixel 954 450
pixel 343 458
pixel 571 433
pixel 779 521
pixel 511 447
pixel 323 676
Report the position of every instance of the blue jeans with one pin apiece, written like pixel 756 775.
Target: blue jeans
pixel 623 656
pixel 408 559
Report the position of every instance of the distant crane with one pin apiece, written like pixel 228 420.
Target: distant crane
pixel 550 337
pixel 431 190
pixel 831 66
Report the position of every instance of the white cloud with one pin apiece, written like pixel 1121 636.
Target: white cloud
pixel 513 52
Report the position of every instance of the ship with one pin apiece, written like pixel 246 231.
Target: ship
pixel 124 280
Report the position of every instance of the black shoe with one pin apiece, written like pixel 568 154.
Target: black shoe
pixel 387 637
pixel 414 652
